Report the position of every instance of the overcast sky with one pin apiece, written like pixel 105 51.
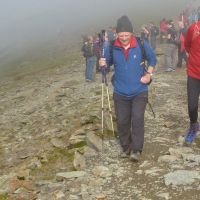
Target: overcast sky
pixel 27 22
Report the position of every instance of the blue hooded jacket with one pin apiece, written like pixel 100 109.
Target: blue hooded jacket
pixel 128 72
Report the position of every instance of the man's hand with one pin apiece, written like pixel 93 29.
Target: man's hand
pixel 146 79
pixel 102 62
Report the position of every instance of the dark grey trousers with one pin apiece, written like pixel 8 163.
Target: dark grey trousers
pixel 193 92
pixel 130 120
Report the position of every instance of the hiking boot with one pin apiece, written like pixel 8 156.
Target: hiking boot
pixel 170 69
pixel 191 133
pixel 88 80
pixel 135 156
pixel 125 154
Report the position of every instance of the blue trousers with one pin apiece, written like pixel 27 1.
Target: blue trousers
pixel 90 63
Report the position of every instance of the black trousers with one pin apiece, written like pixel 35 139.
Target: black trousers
pixel 130 120
pixel 181 56
pixel 193 92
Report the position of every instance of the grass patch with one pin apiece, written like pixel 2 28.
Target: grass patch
pixel 107 133
pixel 3 196
pixel 57 158
pixel 78 145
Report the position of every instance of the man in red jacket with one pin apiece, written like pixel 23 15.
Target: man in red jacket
pixel 192 46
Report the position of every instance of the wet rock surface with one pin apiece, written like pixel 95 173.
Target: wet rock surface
pixel 52 147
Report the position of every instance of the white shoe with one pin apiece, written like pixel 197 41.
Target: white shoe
pixel 134 157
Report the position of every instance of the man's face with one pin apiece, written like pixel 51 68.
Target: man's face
pixel 124 38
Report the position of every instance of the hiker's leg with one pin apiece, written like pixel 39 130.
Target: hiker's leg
pixel 168 55
pixel 153 43
pixel 123 116
pixel 179 63
pixel 161 37
pixel 87 68
pixel 181 59
pixel 193 91
pixel 91 68
pixel 137 134
pixel 184 56
pixel 173 55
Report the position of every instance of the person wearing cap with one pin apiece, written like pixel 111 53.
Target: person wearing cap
pixel 88 50
pixel 130 82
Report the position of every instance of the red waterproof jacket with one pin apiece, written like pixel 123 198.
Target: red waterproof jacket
pixel 192 46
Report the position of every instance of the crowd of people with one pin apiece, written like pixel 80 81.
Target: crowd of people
pixel 120 48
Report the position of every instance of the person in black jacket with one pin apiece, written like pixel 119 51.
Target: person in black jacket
pixel 88 50
pixel 154 32
pixel 171 47
pixel 181 47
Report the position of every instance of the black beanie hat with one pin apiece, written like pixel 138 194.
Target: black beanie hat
pixel 124 25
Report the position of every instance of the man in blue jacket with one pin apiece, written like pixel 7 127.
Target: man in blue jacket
pixel 130 82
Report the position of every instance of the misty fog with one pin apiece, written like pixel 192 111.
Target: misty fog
pixel 27 24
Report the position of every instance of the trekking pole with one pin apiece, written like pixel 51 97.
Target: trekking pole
pixel 104 82
pixel 102 107
pixel 151 108
pixel 110 111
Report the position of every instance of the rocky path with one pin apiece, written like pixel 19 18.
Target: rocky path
pixel 51 142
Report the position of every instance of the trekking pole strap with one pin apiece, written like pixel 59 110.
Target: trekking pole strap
pixel 103 73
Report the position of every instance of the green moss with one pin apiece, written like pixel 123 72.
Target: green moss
pixel 56 158
pixel 106 133
pixel 48 108
pixel 3 196
pixel 78 145
pixel 90 120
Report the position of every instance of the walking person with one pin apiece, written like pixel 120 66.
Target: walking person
pixel 154 32
pixel 163 30
pixel 145 33
pixel 88 50
pixel 130 82
pixel 171 48
pixel 192 46
pixel 181 46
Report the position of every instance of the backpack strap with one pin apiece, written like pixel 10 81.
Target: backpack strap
pixel 144 57
pixel 141 45
pixel 111 49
